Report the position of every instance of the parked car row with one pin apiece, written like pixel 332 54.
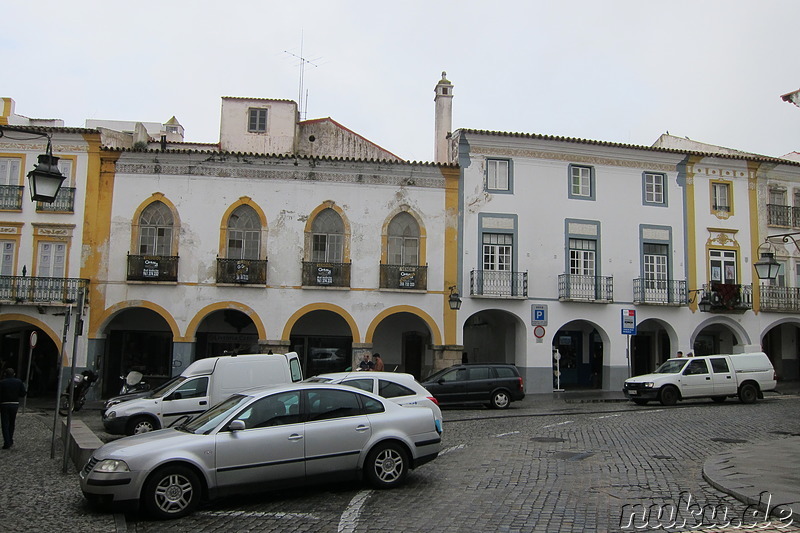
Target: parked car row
pixel 373 425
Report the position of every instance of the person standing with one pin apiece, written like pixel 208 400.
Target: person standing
pixel 366 364
pixel 378 362
pixel 11 390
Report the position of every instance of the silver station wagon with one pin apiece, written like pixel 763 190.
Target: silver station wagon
pixel 264 439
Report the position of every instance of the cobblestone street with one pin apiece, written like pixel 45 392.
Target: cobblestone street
pixel 554 467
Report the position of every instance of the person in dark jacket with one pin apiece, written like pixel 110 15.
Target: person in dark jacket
pixel 11 390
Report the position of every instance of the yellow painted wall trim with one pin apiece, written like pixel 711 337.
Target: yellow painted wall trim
pixel 223 228
pixel 435 333
pixel 176 221
pixel 28 319
pixel 423 235
pixel 191 330
pixel 327 204
pixel 451 259
pixel 322 306
pixel 111 312
pixel 691 228
pixel 755 236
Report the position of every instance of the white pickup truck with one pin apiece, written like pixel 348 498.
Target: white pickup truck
pixel 746 375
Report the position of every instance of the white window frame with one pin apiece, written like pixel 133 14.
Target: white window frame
pixel 581 182
pixel 498 252
pixel 722 266
pixel 583 258
pixel 8 258
pixel 721 192
pixel 9 170
pixel 257 119
pixel 655 188
pixel 51 259
pixel 498 175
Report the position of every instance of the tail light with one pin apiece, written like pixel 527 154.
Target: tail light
pixel 774 375
pixel 521 385
pixel 434 400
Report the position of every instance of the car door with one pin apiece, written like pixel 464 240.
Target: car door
pixel 336 431
pixel 722 377
pixel 696 380
pixel 188 400
pixel 270 448
pixel 451 387
pixel 480 382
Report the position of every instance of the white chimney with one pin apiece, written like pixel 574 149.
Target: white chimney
pixel 444 120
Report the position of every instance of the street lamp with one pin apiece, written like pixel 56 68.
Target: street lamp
pixel 704 305
pixel 454 300
pixel 768 267
pixel 45 179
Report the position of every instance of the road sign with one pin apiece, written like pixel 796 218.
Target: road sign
pixel 538 315
pixel 629 322
pixel 538 332
pixel 34 338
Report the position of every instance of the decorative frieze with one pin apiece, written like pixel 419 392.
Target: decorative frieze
pixel 571 158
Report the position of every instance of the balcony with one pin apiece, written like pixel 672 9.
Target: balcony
pixel 404 277
pixel 781 299
pixel 41 291
pixel 242 271
pixel 152 267
pixel 64 202
pixel 659 292
pixel 577 288
pixel 499 283
pixel 779 215
pixel 729 297
pixel 11 197
pixel 321 274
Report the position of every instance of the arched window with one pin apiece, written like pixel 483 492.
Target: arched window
pixel 403 233
pixel 155 230
pixel 327 237
pixel 244 234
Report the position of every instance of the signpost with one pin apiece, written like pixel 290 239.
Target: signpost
pixel 629 329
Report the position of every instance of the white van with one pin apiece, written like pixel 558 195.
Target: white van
pixel 203 384
pixel 746 375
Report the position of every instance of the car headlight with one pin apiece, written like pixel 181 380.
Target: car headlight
pixel 110 414
pixel 648 385
pixel 112 403
pixel 111 465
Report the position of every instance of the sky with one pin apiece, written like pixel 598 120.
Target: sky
pixel 612 70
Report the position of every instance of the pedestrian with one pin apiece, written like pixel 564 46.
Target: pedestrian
pixel 365 363
pixel 11 389
pixel 378 362
pixel 690 354
pixel 680 354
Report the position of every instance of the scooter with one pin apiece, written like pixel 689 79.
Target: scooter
pixel 81 383
pixel 133 383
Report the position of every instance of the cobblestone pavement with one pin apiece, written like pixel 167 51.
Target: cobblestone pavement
pixel 539 466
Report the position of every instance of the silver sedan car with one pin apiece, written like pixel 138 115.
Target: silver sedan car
pixel 264 439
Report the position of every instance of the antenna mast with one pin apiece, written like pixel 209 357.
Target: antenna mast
pixel 302 103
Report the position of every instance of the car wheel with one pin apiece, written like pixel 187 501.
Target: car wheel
pixel 639 401
pixel 718 399
pixel 171 492
pixel 500 400
pixel 386 465
pixel 668 395
pixel 748 393
pixel 141 424
pixel 63 405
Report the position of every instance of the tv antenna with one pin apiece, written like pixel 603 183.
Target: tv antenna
pixel 302 101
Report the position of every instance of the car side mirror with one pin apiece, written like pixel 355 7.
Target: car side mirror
pixel 174 396
pixel 441 381
pixel 236 425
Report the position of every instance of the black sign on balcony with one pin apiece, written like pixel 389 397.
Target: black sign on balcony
pixel 151 269
pixel 324 275
pixel 408 279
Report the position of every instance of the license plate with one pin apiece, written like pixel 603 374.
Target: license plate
pixel 633 392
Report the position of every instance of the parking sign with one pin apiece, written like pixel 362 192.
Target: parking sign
pixel 629 322
pixel 538 315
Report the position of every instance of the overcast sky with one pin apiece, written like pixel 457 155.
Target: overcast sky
pixel 611 70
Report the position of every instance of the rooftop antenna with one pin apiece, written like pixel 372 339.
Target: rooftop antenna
pixel 302 101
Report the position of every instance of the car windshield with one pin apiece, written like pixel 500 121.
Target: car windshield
pixel 318 379
pixel 163 388
pixel 209 420
pixel 672 366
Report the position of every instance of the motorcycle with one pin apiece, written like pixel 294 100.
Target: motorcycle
pixel 133 383
pixel 81 384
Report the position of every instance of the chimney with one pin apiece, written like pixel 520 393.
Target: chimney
pixel 444 120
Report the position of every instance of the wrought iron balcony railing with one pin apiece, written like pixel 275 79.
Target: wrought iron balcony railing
pixel 242 271
pixel 320 274
pixel 152 267
pixel 784 299
pixel 499 283
pixel 796 217
pixel 574 287
pixel 11 197
pixel 728 296
pixel 779 215
pixel 41 291
pixel 64 202
pixel 408 277
pixel 659 292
